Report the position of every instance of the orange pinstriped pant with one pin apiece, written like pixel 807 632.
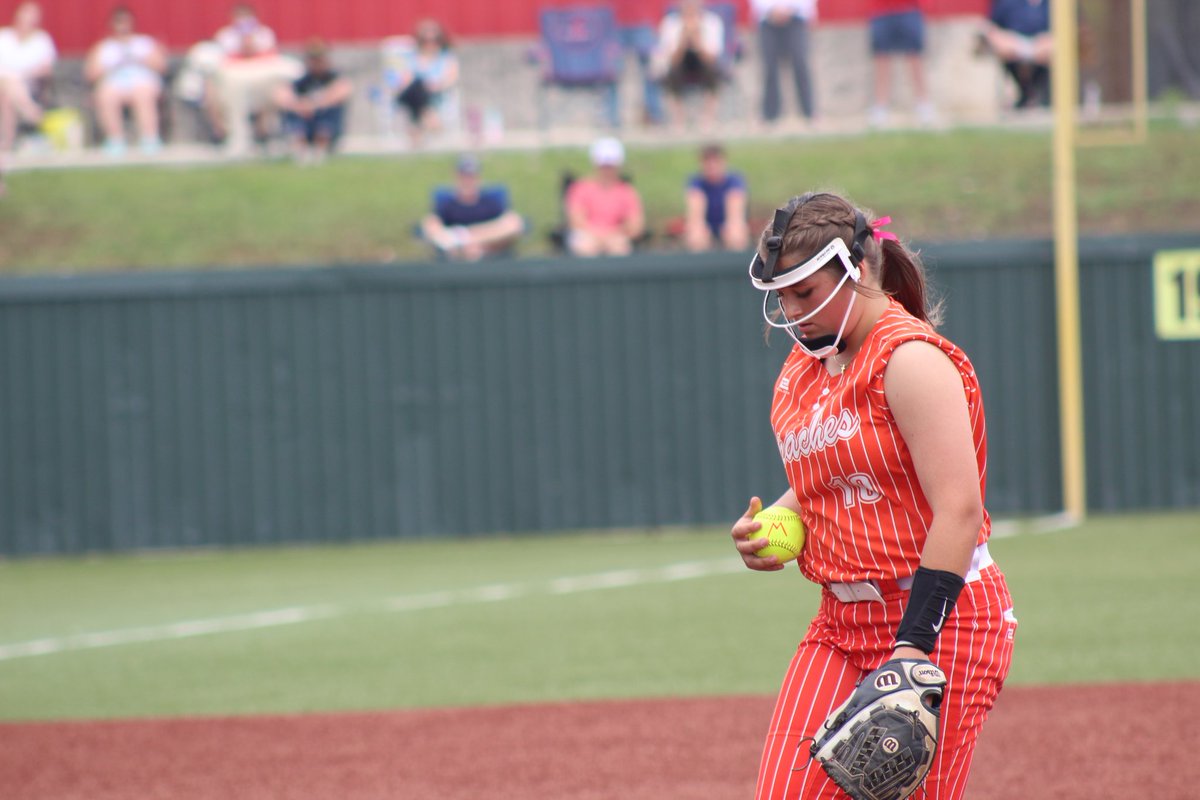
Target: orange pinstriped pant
pixel 846 641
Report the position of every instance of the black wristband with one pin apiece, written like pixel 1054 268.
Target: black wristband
pixel 930 602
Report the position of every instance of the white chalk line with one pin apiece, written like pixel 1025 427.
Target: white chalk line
pixel 1048 523
pixel 157 633
pixel 491 593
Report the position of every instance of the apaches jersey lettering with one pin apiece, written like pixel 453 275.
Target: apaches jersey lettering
pixel 817 435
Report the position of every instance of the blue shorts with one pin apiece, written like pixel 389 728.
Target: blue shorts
pixel 898 33
pixel 326 123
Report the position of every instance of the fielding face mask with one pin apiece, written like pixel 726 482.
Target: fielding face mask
pixel 766 277
pixel 823 346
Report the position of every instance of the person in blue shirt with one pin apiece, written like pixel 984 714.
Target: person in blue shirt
pixel 1018 32
pixel 715 205
pixel 471 220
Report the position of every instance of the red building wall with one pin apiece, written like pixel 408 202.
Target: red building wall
pixel 76 24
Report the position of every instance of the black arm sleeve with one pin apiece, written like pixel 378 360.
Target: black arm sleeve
pixel 932 598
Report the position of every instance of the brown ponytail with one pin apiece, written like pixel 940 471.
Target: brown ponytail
pixel 902 276
pixel 816 217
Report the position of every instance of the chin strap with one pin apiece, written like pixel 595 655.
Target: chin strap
pixel 818 343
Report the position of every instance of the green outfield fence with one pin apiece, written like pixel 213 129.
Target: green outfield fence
pixel 281 405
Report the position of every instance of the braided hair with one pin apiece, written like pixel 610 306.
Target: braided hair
pixel 817 217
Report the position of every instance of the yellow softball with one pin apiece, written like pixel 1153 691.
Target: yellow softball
pixel 783 529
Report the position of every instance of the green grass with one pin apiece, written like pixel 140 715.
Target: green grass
pixel 1108 601
pixel 942 186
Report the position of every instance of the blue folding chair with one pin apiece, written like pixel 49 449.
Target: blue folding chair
pixel 580 50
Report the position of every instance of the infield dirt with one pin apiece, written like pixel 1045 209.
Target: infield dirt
pixel 1065 743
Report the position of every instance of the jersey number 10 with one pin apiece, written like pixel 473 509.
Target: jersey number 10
pixel 856 488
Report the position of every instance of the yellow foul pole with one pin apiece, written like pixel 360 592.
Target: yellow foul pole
pixel 1065 74
pixel 1141 86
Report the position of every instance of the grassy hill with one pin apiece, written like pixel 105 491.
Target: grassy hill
pixel 938 186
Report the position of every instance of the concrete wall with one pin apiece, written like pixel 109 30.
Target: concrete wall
pixel 499 77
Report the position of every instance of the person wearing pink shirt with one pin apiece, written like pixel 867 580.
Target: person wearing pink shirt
pixel 604 212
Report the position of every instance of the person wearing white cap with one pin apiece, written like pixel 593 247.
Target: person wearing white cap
pixel 604 212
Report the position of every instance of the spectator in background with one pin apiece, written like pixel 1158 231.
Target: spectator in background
pixel 897 30
pixel 244 83
pixel 637 26
pixel 691 41
pixel 715 205
pixel 427 80
pixel 27 56
pixel 125 70
pixel 314 105
pixel 1018 33
pixel 604 212
pixel 783 34
pixel 471 220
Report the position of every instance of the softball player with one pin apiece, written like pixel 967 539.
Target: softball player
pixel 879 421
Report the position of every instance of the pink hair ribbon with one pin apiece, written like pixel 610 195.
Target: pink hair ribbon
pixel 880 234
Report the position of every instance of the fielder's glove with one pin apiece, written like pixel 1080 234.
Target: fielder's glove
pixel 879 744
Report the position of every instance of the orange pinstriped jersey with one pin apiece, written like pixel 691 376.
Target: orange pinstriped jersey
pixel 861 503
